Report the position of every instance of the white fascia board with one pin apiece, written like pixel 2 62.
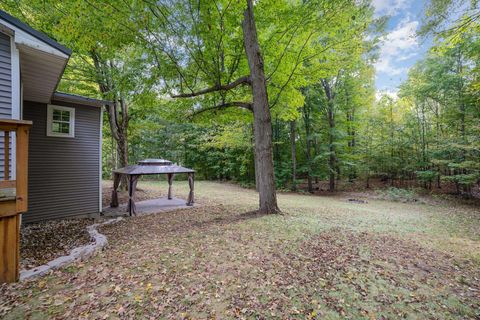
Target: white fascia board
pixel 23 38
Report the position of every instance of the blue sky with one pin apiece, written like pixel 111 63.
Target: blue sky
pixel 400 48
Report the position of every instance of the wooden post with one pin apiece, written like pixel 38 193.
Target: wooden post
pixel 132 186
pixel 170 181
pixel 190 199
pixel 10 209
pixel 22 167
pixel 6 147
pixel 9 248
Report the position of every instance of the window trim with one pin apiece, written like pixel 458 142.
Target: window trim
pixel 50 132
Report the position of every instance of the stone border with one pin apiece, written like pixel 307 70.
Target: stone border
pixel 79 253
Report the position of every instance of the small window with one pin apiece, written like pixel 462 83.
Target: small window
pixel 60 121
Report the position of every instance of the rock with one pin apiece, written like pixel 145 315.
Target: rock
pixel 79 253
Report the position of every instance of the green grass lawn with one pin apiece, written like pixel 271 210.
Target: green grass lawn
pixel 325 258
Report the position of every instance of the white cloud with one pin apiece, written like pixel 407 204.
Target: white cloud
pixel 384 65
pixel 408 56
pixel 402 38
pixel 398 45
pixel 389 7
pixel 392 93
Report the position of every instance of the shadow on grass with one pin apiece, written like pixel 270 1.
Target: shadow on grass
pixel 230 219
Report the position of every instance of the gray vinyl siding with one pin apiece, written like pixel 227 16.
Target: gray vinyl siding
pixel 63 172
pixel 5 77
pixel 5 89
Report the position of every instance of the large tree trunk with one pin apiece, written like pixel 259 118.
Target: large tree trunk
pixel 122 150
pixel 255 170
pixel 117 112
pixel 261 115
pixel 118 130
pixel 293 134
pixel 122 139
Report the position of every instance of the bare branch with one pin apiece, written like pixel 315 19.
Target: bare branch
pixel 240 81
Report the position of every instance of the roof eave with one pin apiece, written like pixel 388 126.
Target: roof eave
pixel 77 99
pixel 35 33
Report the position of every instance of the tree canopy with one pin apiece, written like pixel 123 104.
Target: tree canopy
pixel 186 77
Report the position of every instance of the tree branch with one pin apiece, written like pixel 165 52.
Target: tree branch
pixel 240 104
pixel 240 81
pixel 297 63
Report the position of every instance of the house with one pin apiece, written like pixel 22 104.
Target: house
pixel 65 154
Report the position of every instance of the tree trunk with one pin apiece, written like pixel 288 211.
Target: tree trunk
pixel 293 134
pixel 315 153
pixel 117 112
pixel 122 151
pixel 461 101
pixel 351 134
pixel 276 148
pixel 308 147
pixel 122 135
pixel 119 133
pixel 261 115
pixel 332 159
pixel 255 160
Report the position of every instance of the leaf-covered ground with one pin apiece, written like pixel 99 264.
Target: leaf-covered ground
pixel 43 242
pixel 326 258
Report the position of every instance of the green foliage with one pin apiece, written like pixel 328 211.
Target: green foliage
pixel 318 59
pixel 438 16
pixel 433 128
pixel 466 180
pixel 427 176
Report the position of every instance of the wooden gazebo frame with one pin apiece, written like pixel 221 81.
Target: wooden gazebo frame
pixel 149 167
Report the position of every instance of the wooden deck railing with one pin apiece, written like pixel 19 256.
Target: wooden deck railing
pixel 13 196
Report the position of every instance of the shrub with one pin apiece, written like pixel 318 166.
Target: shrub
pixel 427 177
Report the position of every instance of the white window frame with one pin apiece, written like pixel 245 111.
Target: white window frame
pixel 50 132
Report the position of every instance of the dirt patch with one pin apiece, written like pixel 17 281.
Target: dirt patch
pixel 43 242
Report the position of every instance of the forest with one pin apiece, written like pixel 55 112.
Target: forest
pixel 186 88
pixel 335 143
